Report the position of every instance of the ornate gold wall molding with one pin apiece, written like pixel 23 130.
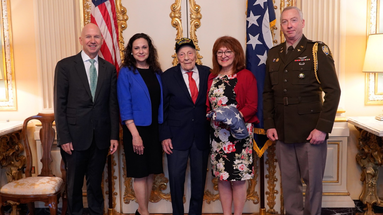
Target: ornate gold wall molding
pixel 160 184
pixel 274 28
pixel 175 14
pixel 271 178
pixel 252 195
pixel 195 23
pixel 176 22
pixel 87 5
pixel 210 196
pixel 122 19
pixel 129 194
pixel 8 100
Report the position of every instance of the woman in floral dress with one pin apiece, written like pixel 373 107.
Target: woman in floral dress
pixel 231 159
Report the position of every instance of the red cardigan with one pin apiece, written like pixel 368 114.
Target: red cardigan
pixel 246 95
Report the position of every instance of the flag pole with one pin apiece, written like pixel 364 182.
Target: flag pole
pixel 259 39
pixel 262 209
pixel 110 185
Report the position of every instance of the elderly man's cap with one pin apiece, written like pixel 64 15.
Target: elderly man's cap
pixel 184 42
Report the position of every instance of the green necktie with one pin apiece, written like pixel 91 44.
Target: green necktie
pixel 93 77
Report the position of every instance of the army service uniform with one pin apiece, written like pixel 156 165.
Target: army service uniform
pixel 294 106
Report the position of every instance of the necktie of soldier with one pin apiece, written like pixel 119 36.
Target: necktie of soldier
pixel 93 77
pixel 192 86
pixel 290 49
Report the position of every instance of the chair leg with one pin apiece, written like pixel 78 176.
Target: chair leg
pixel 31 208
pixel 64 205
pixel 14 209
pixel 53 206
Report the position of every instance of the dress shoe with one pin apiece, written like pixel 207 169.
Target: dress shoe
pixel 137 213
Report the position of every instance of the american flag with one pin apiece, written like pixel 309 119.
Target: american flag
pixel 103 14
pixel 260 19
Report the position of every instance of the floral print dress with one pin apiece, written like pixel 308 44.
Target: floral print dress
pixel 231 159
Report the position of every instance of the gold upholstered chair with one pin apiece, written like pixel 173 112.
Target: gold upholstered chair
pixel 45 187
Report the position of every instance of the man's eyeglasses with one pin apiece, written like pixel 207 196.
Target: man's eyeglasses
pixel 227 53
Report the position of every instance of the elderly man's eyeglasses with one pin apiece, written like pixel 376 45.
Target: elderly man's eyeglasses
pixel 227 53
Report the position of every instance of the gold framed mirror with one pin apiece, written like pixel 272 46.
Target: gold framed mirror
pixel 7 74
pixel 374 81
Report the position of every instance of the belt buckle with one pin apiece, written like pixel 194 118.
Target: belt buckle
pixel 285 101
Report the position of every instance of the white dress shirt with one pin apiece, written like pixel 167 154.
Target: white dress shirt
pixel 87 64
pixel 195 77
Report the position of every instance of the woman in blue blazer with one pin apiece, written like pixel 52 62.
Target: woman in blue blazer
pixel 139 91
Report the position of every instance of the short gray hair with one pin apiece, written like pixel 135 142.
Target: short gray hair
pixel 292 8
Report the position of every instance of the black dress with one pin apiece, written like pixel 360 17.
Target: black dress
pixel 150 162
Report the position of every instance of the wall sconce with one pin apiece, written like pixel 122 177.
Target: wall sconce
pixel 373 60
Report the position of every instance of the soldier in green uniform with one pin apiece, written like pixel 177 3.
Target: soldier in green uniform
pixel 297 115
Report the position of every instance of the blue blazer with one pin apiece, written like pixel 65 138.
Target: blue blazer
pixel 184 121
pixel 134 99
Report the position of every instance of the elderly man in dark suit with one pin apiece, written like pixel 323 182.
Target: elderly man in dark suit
pixel 86 113
pixel 184 133
pixel 295 115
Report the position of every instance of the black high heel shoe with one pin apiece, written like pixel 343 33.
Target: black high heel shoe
pixel 137 213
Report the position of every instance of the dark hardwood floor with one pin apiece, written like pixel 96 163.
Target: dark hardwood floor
pixel 358 210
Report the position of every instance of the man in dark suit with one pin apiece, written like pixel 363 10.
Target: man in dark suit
pixel 295 114
pixel 86 113
pixel 184 133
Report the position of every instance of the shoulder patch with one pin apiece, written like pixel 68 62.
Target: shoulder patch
pixel 325 49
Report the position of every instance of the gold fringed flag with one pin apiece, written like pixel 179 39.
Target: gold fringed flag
pixel 260 141
pixel 260 20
